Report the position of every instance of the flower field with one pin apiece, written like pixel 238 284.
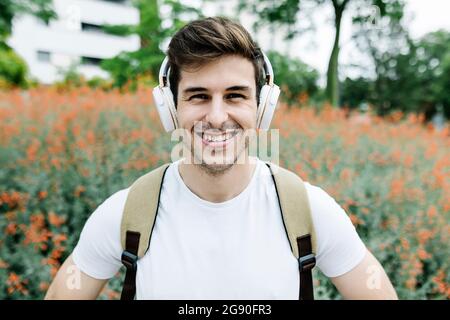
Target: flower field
pixel 62 153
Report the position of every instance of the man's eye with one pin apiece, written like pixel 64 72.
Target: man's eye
pixel 205 96
pixel 199 96
pixel 234 96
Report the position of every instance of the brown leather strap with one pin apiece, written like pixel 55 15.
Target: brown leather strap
pixel 129 260
pixel 306 262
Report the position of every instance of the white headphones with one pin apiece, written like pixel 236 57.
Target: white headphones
pixel 164 101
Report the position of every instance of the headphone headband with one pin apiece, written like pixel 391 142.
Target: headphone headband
pixel 165 68
pixel 165 104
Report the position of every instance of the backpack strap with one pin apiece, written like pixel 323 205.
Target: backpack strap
pixel 139 216
pixel 297 220
pixel 141 208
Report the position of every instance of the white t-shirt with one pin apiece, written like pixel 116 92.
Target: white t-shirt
pixel 237 249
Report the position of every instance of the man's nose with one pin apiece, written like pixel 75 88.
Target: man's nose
pixel 217 112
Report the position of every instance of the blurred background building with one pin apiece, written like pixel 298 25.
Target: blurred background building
pixel 75 38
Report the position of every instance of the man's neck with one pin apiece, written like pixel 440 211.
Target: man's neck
pixel 217 188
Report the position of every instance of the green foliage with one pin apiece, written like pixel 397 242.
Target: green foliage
pixel 294 77
pixel 42 9
pixel 13 68
pixel 288 12
pixel 70 77
pixel 98 82
pixel 355 92
pixel 414 78
pixel 128 67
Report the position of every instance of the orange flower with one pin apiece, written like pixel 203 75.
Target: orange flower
pixel 411 283
pixel 432 211
pixel 56 163
pixel 32 150
pixel 12 200
pixel 405 243
pixel 55 219
pixel 424 235
pixel 442 286
pixel 408 161
pixel 59 238
pixel 355 220
pixel 57 253
pixel 423 255
pixel 43 286
pixel 397 187
pixel 346 174
pixel 79 190
pixel 365 211
pixel 15 284
pixel 42 195
pixel 11 228
pixel 3 264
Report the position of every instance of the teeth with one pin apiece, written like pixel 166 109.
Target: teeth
pixel 212 138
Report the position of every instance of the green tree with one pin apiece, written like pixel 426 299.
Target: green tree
pixel 290 12
pixel 129 66
pixel 411 76
pixel 355 92
pixel 294 77
pixel 12 67
pixel 381 42
pixel 9 9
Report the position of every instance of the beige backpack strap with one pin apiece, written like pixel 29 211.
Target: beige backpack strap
pixel 138 219
pixel 294 205
pixel 296 214
pixel 141 207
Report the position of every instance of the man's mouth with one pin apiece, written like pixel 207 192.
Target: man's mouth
pixel 217 140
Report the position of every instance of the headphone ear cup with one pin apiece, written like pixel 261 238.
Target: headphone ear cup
pixel 263 95
pixel 269 108
pixel 165 106
pixel 171 105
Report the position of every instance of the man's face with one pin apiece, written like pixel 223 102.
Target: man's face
pixel 216 105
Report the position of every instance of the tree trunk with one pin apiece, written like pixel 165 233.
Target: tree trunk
pixel 332 89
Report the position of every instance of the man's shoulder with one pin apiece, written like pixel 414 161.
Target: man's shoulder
pixel 109 213
pixel 314 192
pixel 321 202
pixel 117 199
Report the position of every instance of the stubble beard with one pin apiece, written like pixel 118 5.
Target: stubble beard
pixel 217 169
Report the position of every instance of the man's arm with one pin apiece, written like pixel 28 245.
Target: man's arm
pixel 71 283
pixel 367 281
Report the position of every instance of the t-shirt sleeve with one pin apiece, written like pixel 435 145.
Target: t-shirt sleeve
pixel 98 250
pixel 339 247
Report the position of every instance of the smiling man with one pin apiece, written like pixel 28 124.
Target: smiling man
pixel 218 231
pixel 218 112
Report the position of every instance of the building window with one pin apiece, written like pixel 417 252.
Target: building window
pixel 43 56
pixel 90 27
pixel 91 61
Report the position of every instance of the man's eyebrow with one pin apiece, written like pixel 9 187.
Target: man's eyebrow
pixel 194 89
pixel 202 89
pixel 238 88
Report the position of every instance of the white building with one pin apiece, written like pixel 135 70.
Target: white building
pixel 74 38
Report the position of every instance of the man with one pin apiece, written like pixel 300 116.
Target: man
pixel 219 232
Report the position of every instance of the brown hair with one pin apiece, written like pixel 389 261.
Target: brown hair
pixel 205 40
